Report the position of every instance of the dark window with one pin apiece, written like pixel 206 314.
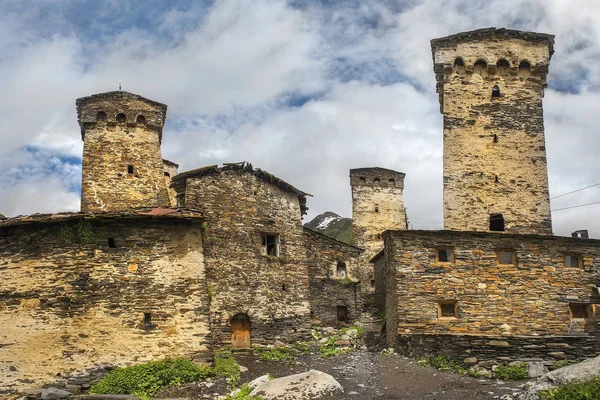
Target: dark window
pixel 101 116
pixel 376 208
pixel 495 91
pixel 480 66
pixel 111 243
pixel 572 260
pixel 270 245
pixel 506 257
pixel 372 282
pixel 362 179
pixel 167 174
pixel 342 313
pixel 579 310
pixel 459 62
pixel 147 319
pixel 447 309
pixel 495 138
pixel 376 180
pixel 121 118
pixel 284 287
pixel 524 66
pixel 496 179
pixel 341 272
pixel 392 180
pixel 496 222
pixel 130 169
pixel 445 254
pixel 502 65
pixel 140 119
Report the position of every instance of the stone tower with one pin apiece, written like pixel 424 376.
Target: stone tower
pixel 490 84
pixel 377 205
pixel 122 163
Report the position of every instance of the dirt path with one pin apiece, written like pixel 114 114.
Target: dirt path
pixel 367 376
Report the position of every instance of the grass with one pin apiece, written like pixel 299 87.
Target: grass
pixel 144 380
pixel 226 366
pixel 359 329
pixel 560 364
pixel 284 353
pixel 511 372
pixel 577 390
pixel 243 394
pixel 329 349
pixel 442 363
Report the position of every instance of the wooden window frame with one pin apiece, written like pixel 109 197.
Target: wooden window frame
pixel 264 245
pixel 437 254
pixel 588 308
pixel 514 256
pixel 579 260
pixel 445 302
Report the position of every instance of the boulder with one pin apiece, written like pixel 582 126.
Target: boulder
pixel 536 369
pixel 307 385
pixel 259 381
pixel 53 393
pixel 576 372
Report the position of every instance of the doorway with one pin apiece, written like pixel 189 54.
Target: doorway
pixel 240 331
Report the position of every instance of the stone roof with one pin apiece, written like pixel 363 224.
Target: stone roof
pixel 494 33
pixel 377 170
pixel 138 213
pixel 181 178
pixel 165 161
pixel 319 234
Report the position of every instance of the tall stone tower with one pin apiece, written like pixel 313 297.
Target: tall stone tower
pixel 122 163
pixel 490 84
pixel 377 205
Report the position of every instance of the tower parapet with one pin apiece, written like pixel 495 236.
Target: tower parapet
pixel 122 166
pixel 490 84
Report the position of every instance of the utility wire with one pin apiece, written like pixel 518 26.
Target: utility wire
pixel 574 191
pixel 580 205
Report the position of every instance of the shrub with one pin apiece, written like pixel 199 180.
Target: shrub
pixel 511 372
pixel 144 380
pixel 577 390
pixel 228 367
pixel 243 394
pixel 443 364
pixel 276 354
pixel 358 329
pixel 560 364
pixel 329 349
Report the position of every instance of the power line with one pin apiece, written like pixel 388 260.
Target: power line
pixel 580 205
pixel 574 191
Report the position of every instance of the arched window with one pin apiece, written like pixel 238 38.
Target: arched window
pixel 524 67
pixel 341 272
pixel 497 222
pixel 101 116
pixel 495 91
pixel 376 180
pixel 342 313
pixel 480 67
pixel 459 62
pixel 362 179
pixel 121 118
pixel 502 65
pixel 392 180
pixel 140 120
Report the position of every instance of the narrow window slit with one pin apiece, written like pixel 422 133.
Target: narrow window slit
pixel 130 169
pixel 111 243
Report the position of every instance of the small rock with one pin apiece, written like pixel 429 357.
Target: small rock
pixel 53 393
pixel 536 369
pixel 243 369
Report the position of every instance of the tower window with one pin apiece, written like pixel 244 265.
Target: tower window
pixel 270 245
pixel 444 255
pixel 495 91
pixel 459 62
pixel 342 313
pixel 341 270
pixel 140 120
pixel 376 208
pixel 111 243
pixel 480 66
pixel 121 118
pixel 167 174
pixel 502 66
pixel 392 180
pixel 284 287
pixel 495 138
pixel 572 260
pixel 101 116
pixel 447 309
pixel 506 257
pixel 362 179
pixel 130 169
pixel 524 66
pixel 497 222
pixel 376 180
pixel 579 310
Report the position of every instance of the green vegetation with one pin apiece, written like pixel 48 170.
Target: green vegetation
pixel 283 353
pixel 511 372
pixel 243 394
pixel 81 232
pixel 361 332
pixel 560 364
pixel 210 291
pixel 577 390
pixel 329 349
pixel 339 228
pixel 347 281
pixel 228 367
pixel 442 363
pixel 144 380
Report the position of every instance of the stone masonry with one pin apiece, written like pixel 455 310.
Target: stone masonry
pixel 494 147
pixel 242 206
pixel 533 292
pixel 377 205
pixel 332 269
pixel 122 163
pixel 79 292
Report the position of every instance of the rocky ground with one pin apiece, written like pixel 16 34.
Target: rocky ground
pixel 365 375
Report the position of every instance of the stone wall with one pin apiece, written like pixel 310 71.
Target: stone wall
pixel 69 301
pixel 332 268
pixel 122 166
pixel 379 266
pixel 170 171
pixel 272 290
pixel 494 147
pixel 377 205
pixel 533 297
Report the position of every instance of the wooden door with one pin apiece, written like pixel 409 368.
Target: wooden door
pixel 240 331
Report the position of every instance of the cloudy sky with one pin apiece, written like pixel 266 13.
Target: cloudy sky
pixel 303 89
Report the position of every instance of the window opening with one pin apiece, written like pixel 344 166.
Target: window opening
pixel 101 116
pixel 130 169
pixel 445 254
pixel 341 271
pixel 497 222
pixel 506 257
pixel 572 260
pixel 147 319
pixel 495 138
pixel 284 287
pixel 140 119
pixel 502 66
pixel 376 180
pixel 362 179
pixel 111 243
pixel 447 309
pixel 579 310
pixel 392 180
pixel 376 208
pixel 342 313
pixel 270 245
pixel 480 66
pixel 496 178
pixel 495 91
pixel 372 282
pixel 121 118
pixel 459 62
pixel 167 174
pixel 524 66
